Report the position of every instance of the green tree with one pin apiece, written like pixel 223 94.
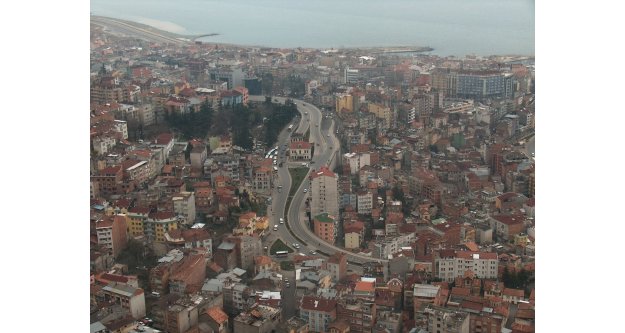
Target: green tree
pixel 187 152
pixel 241 127
pixel 267 84
pixel 507 277
pixel 222 122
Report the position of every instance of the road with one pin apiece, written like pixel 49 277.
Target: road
pixel 279 196
pixel 322 133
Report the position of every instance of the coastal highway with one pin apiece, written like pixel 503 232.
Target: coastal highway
pixel 119 26
pixel 322 133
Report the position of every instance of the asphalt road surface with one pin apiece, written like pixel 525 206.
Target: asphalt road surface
pixel 324 135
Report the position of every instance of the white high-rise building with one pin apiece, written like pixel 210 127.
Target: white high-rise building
pixel 324 193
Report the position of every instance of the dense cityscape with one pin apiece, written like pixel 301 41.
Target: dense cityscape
pixel 253 190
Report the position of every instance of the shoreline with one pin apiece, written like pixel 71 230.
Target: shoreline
pixel 191 39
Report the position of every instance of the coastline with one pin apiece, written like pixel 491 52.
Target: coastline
pixel 190 39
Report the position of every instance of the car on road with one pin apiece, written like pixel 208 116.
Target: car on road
pixel 286 279
pixel 281 221
pixel 305 190
pixel 288 284
pixel 313 252
pixel 275 227
pixel 295 245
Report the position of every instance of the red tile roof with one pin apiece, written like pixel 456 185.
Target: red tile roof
pixel 139 210
pixel 472 246
pixel 217 314
pixel 458 291
pixel 164 138
pixel 161 215
pixel 513 292
pixel 323 171
pixel 300 145
pixel 356 226
pixel 364 286
pixel 263 260
pixel 318 304
pixel 482 255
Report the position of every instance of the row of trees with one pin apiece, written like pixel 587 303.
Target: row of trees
pixel 278 116
pixel 194 124
pixel 517 280
pixel 239 118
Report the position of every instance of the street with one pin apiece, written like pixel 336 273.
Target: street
pixel 321 132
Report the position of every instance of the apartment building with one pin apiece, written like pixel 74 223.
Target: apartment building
pixel 129 297
pixel 318 312
pixel 443 320
pixel 450 264
pixel 324 192
pixel 325 227
pixel 111 232
pixel 358 312
pixel 337 266
pixel 184 206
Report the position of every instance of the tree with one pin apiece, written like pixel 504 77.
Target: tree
pixel 506 277
pixel 267 84
pixel 398 194
pixel 187 152
pixel 222 122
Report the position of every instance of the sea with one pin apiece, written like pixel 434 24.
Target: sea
pixel 450 27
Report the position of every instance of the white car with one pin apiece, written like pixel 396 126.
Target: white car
pixel 281 221
pixel 305 190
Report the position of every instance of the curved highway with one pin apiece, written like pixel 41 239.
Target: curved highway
pixel 321 133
